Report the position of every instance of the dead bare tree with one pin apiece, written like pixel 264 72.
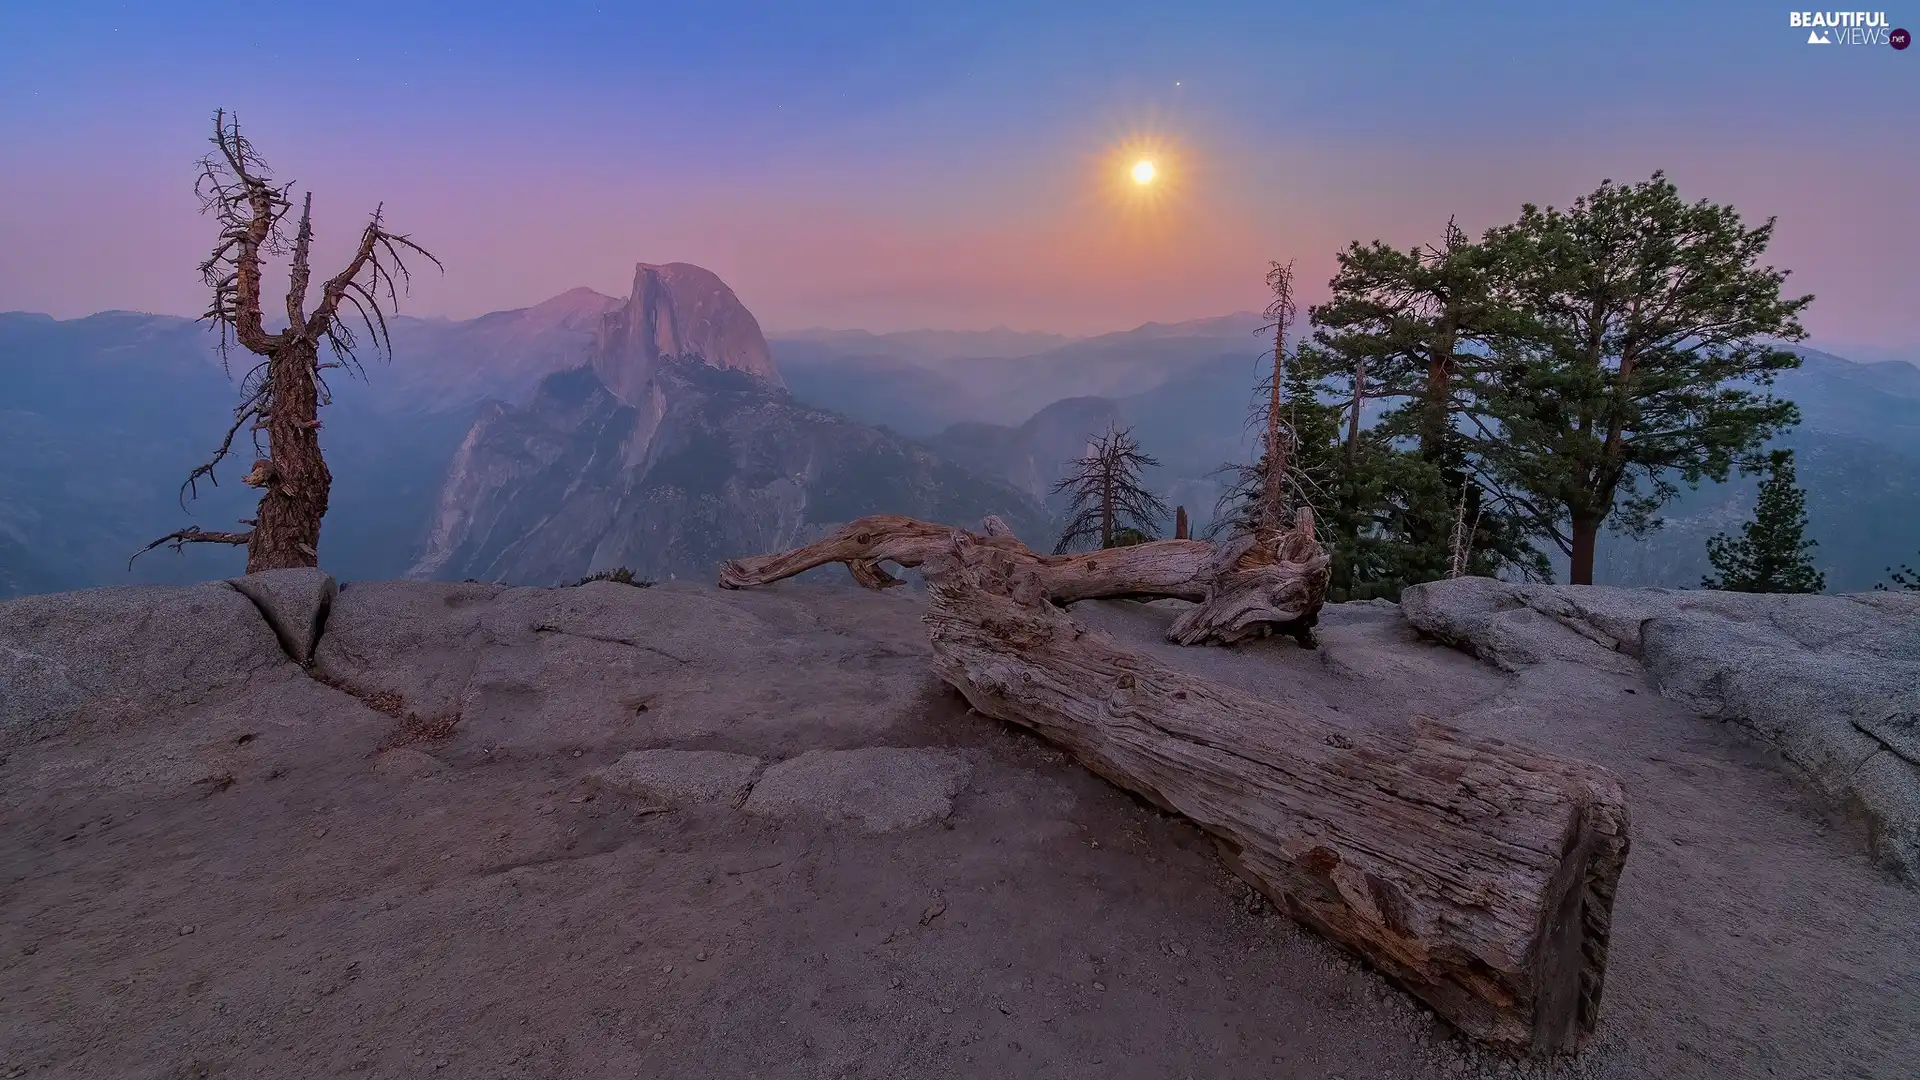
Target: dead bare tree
pixel 1460 546
pixel 1264 496
pixel 1281 310
pixel 281 395
pixel 1109 497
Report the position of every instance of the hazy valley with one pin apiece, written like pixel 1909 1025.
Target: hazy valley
pixel 664 432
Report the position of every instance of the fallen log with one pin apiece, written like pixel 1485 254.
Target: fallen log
pixel 1251 587
pixel 1477 875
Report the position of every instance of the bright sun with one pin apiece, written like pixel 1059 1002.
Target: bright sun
pixel 1143 172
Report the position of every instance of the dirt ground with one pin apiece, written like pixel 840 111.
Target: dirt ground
pixel 251 886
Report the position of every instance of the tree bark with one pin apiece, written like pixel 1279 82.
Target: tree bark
pixel 295 482
pixel 1353 414
pixel 1436 406
pixel 1244 589
pixel 1585 535
pixel 1477 875
pixel 1275 481
pixel 1106 507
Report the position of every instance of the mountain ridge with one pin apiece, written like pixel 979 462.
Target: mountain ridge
pixel 713 464
pixel 76 395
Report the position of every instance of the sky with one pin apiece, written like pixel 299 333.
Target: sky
pixel 908 164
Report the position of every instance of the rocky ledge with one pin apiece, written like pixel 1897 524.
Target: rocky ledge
pixel 271 827
pixel 1831 682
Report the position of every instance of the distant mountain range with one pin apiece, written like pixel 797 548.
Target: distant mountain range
pixel 919 393
pixel 1858 451
pixel 1188 400
pixel 532 446
pixel 927 346
pixel 664 432
pixel 673 448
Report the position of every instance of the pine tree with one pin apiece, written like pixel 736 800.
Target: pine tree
pixel 1110 505
pixel 1648 320
pixel 1772 555
pixel 1415 330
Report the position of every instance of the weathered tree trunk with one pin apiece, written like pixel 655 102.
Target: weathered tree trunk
pixel 1478 876
pixel 295 481
pixel 1585 538
pixel 1244 589
pixel 1353 415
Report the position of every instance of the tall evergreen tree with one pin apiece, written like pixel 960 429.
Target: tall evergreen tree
pixel 1648 322
pixel 1416 325
pixel 1110 504
pixel 1772 554
pixel 1416 329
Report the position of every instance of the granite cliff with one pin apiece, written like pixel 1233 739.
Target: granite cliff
pixel 675 447
pixel 676 310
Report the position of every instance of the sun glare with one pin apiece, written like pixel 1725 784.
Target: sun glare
pixel 1144 178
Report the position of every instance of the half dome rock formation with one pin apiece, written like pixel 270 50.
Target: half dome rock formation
pixel 677 310
pixel 708 465
pixel 673 447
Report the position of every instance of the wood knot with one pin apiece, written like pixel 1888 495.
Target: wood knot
pixel 261 474
pixel 1320 861
pixel 1125 682
pixel 862 538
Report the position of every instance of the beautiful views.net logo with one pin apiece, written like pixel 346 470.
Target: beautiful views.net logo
pixel 1848 28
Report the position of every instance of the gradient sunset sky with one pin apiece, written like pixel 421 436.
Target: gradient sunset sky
pixel 910 164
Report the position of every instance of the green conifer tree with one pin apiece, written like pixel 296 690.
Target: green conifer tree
pixel 1773 554
pixel 1651 332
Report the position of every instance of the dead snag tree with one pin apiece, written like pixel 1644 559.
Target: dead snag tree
pixel 281 395
pixel 1273 515
pixel 1111 505
pixel 1294 430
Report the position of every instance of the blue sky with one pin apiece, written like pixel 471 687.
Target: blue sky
pixel 899 165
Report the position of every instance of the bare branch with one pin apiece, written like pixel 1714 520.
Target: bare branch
pixel 193 534
pixel 374 266
pixel 234 186
pixel 281 396
pixel 301 272
pixel 191 489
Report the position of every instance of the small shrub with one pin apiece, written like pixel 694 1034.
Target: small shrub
pixel 619 576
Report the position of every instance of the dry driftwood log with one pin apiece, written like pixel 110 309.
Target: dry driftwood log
pixel 1478 876
pixel 1250 587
